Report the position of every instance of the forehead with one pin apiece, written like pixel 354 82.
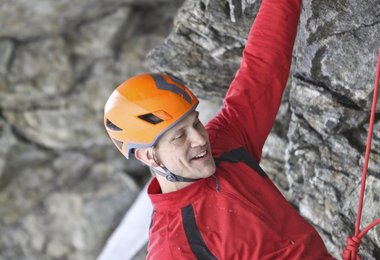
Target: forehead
pixel 189 119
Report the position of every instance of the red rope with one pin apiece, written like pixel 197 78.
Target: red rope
pixel 352 247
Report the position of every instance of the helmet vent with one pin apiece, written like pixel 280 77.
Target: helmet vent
pixel 118 143
pixel 150 118
pixel 112 126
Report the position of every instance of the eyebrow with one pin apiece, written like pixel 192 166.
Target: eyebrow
pixel 194 119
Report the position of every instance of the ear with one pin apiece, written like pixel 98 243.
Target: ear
pixel 145 155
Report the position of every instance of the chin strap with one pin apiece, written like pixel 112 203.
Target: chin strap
pixel 168 174
pixel 171 176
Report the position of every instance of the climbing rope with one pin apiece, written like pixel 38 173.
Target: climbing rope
pixel 352 247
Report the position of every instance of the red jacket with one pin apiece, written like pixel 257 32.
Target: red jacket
pixel 238 213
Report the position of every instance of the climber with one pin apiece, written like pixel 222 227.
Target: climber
pixel 210 197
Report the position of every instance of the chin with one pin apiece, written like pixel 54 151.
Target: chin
pixel 208 172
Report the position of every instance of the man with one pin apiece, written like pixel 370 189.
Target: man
pixel 211 199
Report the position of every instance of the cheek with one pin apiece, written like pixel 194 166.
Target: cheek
pixel 204 132
pixel 173 156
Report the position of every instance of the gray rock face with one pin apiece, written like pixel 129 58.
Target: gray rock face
pixel 338 45
pixel 63 186
pixel 316 149
pixel 65 209
pixel 22 19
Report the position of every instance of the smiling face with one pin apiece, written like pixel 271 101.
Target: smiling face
pixel 185 149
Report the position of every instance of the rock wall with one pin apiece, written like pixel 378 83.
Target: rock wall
pixel 64 187
pixel 316 149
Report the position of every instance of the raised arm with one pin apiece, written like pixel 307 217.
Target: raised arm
pixel 254 96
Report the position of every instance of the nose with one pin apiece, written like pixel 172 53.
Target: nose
pixel 198 138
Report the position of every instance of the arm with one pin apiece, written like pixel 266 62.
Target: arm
pixel 254 96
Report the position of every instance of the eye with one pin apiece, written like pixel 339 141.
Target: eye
pixel 178 136
pixel 197 124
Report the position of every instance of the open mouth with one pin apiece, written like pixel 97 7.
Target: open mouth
pixel 200 155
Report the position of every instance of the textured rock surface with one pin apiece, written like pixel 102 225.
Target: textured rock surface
pixel 63 186
pixel 67 213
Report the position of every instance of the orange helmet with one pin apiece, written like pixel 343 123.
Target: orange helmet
pixel 143 108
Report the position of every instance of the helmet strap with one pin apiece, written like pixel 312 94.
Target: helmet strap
pixel 169 176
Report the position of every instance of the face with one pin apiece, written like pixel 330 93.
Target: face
pixel 185 149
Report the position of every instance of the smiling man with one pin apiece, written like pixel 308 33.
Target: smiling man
pixel 210 197
pixel 184 149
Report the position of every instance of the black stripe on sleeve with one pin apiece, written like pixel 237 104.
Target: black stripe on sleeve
pixel 193 235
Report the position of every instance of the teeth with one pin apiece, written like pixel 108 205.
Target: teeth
pixel 201 154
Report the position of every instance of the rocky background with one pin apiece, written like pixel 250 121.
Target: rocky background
pixel 64 187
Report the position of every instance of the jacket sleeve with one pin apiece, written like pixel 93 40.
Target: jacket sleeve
pixel 254 96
